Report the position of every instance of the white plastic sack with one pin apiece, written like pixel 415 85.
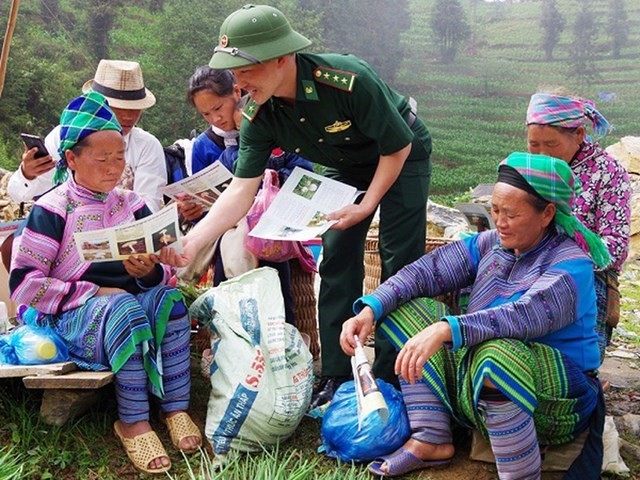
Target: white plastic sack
pixel 611 460
pixel 262 372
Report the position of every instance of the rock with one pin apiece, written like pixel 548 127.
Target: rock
pixel 444 221
pixel 58 406
pixel 631 423
pixel 629 451
pixel 627 152
pixel 441 221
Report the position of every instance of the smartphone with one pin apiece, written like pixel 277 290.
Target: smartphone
pixel 35 141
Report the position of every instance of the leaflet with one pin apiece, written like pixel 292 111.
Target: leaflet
pixel 144 236
pixel 203 187
pixel 368 394
pixel 299 210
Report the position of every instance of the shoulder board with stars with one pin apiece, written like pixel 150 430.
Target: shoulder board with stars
pixel 250 110
pixel 335 78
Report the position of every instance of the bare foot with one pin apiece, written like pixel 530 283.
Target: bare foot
pixel 187 443
pixel 426 451
pixel 130 430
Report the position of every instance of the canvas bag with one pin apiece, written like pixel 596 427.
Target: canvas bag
pixel 262 372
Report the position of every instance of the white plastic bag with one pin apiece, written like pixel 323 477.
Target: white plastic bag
pixel 262 372
pixel 611 460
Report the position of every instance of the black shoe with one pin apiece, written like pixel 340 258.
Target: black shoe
pixel 325 388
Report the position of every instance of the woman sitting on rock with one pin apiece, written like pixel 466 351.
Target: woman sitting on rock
pixel 117 315
pixel 520 365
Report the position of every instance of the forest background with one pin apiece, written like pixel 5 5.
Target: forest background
pixel 472 65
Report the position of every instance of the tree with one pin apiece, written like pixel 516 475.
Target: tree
pixel 450 28
pixel 618 26
pixel 374 37
pixel 552 24
pixel 582 65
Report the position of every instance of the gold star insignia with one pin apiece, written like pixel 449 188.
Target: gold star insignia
pixel 326 75
pixel 251 108
pixel 336 78
pixel 344 80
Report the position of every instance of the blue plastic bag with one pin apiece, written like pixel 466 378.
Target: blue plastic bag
pixel 341 438
pixel 32 343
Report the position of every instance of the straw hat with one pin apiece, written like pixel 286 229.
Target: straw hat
pixel 121 82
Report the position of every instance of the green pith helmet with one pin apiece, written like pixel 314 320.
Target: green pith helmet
pixel 255 34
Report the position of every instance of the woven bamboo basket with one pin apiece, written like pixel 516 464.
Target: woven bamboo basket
pixel 373 266
pixel 304 297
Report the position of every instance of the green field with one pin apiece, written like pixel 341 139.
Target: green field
pixel 475 108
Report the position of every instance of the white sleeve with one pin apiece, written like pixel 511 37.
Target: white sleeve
pixel 149 172
pixel 22 190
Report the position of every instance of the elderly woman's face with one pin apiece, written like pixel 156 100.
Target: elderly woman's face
pixel 218 111
pixel 520 226
pixel 99 165
pixel 554 142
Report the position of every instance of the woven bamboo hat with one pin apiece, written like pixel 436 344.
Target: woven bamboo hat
pixel 121 82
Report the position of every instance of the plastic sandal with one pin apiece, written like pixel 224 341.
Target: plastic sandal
pixel 181 426
pixel 402 462
pixel 143 448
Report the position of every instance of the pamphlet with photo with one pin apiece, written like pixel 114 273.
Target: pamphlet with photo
pixel 299 211
pixel 203 187
pixel 145 236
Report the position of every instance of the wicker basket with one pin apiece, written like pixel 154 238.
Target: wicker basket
pixel 304 298
pixel 373 267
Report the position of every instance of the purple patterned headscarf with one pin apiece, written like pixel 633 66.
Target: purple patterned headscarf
pixel 567 112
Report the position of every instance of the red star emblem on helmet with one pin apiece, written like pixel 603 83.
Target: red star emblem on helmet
pixel 224 41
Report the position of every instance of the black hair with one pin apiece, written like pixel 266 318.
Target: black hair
pixel 219 82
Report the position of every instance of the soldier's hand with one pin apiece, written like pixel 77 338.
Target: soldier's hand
pixel 348 216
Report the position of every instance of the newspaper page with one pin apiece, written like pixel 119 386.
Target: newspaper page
pixel 298 212
pixel 203 187
pixel 144 236
pixel 369 397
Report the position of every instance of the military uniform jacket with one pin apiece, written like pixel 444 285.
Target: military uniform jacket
pixel 344 116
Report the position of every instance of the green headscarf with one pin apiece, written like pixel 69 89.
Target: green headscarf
pixel 86 114
pixel 552 180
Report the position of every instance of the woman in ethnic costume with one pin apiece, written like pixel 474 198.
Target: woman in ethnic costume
pixel 118 315
pixel 520 364
pixel 556 126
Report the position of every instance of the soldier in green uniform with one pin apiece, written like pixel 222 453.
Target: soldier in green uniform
pixel 335 111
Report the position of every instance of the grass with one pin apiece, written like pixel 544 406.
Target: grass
pixel 87 448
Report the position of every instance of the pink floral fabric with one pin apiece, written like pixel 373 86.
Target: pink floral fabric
pixel 604 205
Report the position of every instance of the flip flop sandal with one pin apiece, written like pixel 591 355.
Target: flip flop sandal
pixel 402 462
pixel 181 426
pixel 143 448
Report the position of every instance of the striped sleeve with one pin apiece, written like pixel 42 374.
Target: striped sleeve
pixel 550 304
pixel 446 269
pixel 34 252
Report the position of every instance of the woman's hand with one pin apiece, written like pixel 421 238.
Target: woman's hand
pixel 140 266
pixel 421 348
pixel 190 211
pixel 109 291
pixel 360 325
